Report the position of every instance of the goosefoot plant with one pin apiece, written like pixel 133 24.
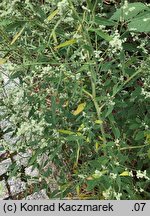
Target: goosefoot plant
pixel 82 94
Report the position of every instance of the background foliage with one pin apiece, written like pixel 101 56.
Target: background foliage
pixel 81 96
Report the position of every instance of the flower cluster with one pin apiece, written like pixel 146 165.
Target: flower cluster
pixel 142 174
pixel 116 43
pixel 62 6
pixel 110 193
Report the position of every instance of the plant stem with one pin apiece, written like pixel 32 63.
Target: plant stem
pixel 92 71
pixel 133 147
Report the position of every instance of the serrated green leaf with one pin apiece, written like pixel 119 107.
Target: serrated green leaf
pixel 130 11
pixel 141 24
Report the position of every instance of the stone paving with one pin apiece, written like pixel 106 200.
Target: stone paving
pixel 4 165
pixel 41 195
pixel 3 190
pixel 17 187
pixel 23 185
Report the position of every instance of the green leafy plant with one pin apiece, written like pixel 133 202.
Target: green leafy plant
pixel 83 93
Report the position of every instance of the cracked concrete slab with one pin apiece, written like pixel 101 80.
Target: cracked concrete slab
pixel 3 190
pixel 41 195
pixel 4 165
pixel 31 172
pixel 22 159
pixel 16 185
